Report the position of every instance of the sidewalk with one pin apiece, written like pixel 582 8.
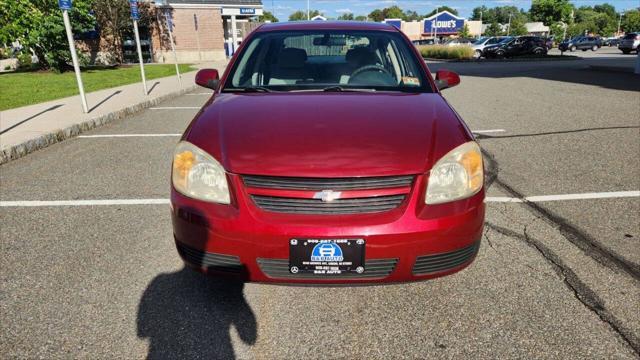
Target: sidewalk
pixel 29 128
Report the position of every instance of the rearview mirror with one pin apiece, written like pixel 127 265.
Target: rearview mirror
pixel 208 78
pixel 446 79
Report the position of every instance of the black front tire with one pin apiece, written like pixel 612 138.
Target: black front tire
pixel 626 51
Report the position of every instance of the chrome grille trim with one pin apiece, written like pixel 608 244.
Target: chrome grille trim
pixel 317 206
pixel 301 183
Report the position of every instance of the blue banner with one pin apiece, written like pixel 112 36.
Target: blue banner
pixel 135 15
pixel 394 22
pixel 64 4
pixel 247 11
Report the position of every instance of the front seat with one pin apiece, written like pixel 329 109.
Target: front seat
pixel 290 67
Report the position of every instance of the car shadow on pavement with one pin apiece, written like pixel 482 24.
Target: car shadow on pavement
pixel 189 315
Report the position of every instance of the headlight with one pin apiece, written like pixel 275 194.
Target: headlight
pixel 198 175
pixel 457 175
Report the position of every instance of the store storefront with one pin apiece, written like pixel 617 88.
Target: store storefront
pixel 203 30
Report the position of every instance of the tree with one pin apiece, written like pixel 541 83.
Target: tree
pixel 302 15
pixel 499 14
pixel 464 32
pixel 550 11
pixel 267 16
pixel 361 18
pixel 442 8
pixel 346 16
pixel 376 15
pixel 115 24
pixel 631 21
pixel 393 12
pixel 493 29
pixel 517 28
pixel 38 26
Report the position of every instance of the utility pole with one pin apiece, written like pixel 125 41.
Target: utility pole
pixel 619 23
pixel 435 31
pixel 509 26
pixel 480 24
pixel 308 18
pixel 65 6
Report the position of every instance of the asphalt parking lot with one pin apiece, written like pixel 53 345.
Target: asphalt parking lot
pixel 558 277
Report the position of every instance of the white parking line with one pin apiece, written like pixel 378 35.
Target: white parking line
pixel 584 196
pixel 84 202
pixel 563 197
pixel 125 135
pixel 488 131
pixel 175 108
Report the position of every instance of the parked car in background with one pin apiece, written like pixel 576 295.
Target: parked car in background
pixel 583 43
pixel 422 42
pixel 479 45
pixel 459 41
pixel 630 42
pixel 611 41
pixel 510 47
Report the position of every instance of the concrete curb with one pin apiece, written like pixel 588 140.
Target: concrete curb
pixel 19 150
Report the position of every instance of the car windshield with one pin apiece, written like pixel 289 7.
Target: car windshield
pixel 480 41
pixel 506 40
pixel 630 36
pixel 329 60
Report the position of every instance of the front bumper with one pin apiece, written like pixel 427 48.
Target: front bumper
pixel 413 242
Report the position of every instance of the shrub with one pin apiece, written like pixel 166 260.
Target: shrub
pixel 446 52
pixel 24 60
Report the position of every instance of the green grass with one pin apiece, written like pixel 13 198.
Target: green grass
pixel 27 88
pixel 446 52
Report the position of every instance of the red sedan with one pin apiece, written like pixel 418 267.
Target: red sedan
pixel 327 155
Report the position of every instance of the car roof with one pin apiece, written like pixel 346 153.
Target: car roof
pixel 325 25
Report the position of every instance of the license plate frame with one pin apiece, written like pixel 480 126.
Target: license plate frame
pixel 327 257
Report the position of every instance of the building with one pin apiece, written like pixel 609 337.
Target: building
pixel 537 28
pixel 203 30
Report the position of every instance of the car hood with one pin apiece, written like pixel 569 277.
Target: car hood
pixel 327 134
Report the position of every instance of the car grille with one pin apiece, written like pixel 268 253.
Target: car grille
pixel 374 268
pixel 294 183
pixel 317 206
pixel 211 261
pixel 292 194
pixel 429 264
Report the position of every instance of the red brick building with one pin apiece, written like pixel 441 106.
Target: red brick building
pixel 203 30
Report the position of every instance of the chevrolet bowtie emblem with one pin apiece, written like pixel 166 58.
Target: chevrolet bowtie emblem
pixel 327 195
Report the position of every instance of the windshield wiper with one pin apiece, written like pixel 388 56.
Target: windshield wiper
pixel 250 89
pixel 338 88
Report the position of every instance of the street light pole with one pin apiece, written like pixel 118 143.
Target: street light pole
pixel 308 18
pixel 480 25
pixel 509 26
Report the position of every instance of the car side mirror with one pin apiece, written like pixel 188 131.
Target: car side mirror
pixel 208 78
pixel 446 79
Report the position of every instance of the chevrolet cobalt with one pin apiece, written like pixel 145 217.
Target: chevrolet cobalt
pixel 327 155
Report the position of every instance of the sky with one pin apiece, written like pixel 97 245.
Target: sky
pixel 333 8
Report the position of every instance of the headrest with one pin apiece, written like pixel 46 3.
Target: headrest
pixel 292 58
pixel 360 56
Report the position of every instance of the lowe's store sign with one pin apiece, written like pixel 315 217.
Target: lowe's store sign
pixel 443 22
